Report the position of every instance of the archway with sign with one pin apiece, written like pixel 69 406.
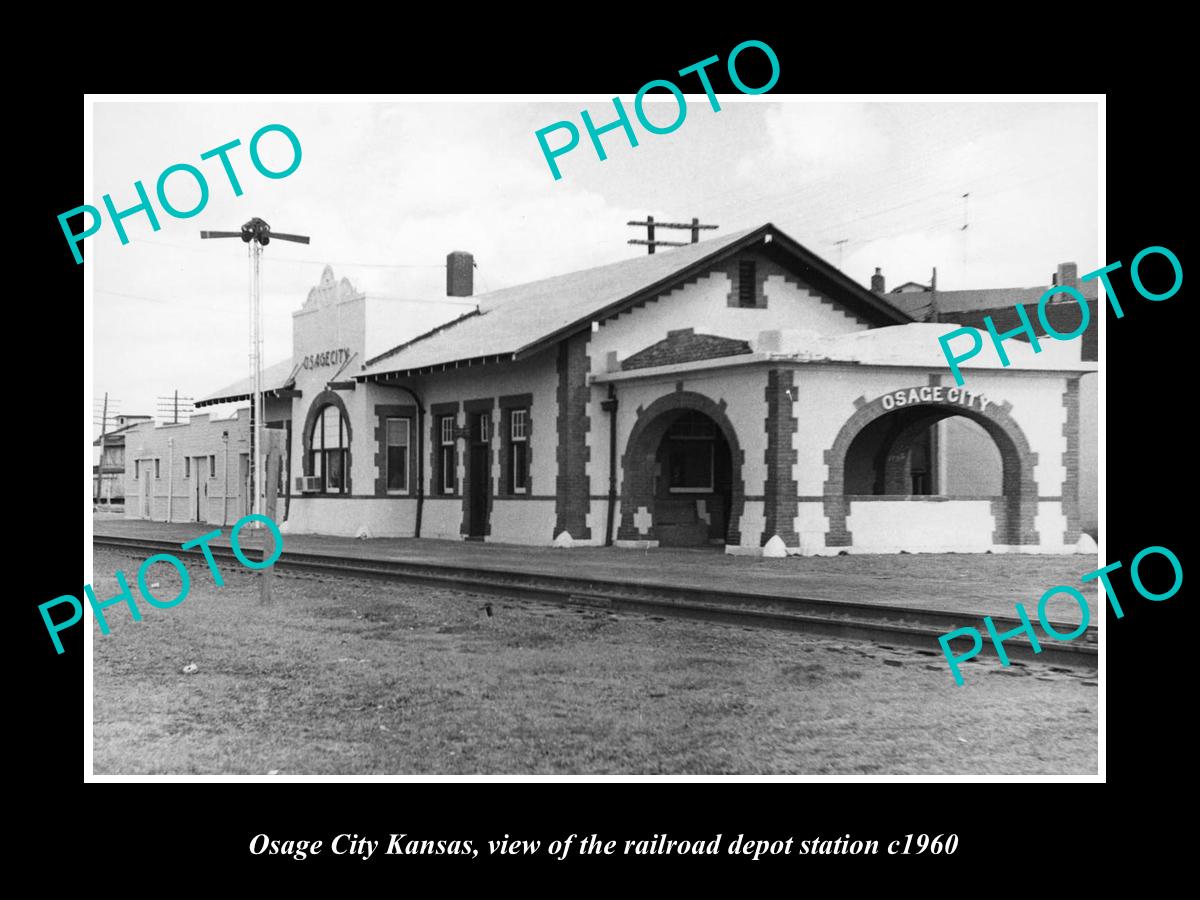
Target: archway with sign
pixel 883 461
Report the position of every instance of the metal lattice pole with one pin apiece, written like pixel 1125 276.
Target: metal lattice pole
pixel 257 339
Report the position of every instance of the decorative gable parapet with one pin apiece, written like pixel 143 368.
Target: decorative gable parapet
pixel 330 291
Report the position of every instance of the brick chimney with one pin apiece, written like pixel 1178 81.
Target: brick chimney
pixel 1067 275
pixel 877 281
pixel 460 274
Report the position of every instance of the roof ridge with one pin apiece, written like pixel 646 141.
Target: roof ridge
pixel 729 236
pixel 420 337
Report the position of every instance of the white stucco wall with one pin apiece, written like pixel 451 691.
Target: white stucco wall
pixel 920 526
pixel 523 522
pixel 345 516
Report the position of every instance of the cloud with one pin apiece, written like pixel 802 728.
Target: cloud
pixel 821 139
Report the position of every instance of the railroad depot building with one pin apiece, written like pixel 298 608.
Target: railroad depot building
pixel 727 392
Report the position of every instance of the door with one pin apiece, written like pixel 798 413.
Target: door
pixel 200 485
pixel 144 492
pixel 244 485
pixel 480 475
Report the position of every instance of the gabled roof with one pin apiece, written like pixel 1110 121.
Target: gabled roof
pixel 994 298
pixel 275 378
pixel 116 436
pixel 519 321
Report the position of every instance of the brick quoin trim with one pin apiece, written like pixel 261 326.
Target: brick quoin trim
pixel 472 408
pixel 1070 459
pixel 323 399
pixel 436 412
pixel 637 463
pixel 572 489
pixel 780 506
pixel 1014 512
pixel 383 412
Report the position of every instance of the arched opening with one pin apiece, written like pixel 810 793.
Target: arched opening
pixel 682 475
pixel 930 443
pixel 924 452
pixel 327 444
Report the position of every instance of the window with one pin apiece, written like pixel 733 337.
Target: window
pixel 187 467
pixel 397 455
pixel 447 460
pixel 518 457
pixel 137 470
pixel 329 442
pixel 485 428
pixel 691 446
pixel 746 284
pixel 157 473
pixel 212 467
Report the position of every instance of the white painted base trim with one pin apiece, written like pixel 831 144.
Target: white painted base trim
pixel 636 545
pixel 735 550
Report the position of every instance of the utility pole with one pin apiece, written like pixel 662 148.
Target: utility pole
pixel 100 470
pixel 694 226
pixel 169 407
pixel 102 406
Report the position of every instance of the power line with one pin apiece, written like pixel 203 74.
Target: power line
pixel 306 262
pixel 437 301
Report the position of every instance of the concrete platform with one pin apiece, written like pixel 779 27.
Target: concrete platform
pixel 989 584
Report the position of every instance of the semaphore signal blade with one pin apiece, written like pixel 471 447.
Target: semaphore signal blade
pixel 297 238
pixel 221 234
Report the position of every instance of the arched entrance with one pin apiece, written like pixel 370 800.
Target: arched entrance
pixel 682 475
pixel 884 452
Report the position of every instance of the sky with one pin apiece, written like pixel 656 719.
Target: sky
pixel 386 190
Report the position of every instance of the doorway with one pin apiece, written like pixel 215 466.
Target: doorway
pixel 199 486
pixel 479 475
pixel 245 504
pixel 144 491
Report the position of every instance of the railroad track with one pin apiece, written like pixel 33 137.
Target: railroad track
pixel 882 624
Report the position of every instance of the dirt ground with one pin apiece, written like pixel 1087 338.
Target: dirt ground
pixel 342 676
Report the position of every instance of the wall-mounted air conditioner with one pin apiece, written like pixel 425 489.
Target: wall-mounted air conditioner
pixel 308 484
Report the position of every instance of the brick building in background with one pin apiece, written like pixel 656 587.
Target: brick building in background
pixel 728 392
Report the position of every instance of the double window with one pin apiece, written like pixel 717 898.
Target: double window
pixel 397 439
pixel 518 455
pixel 447 460
pixel 329 447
